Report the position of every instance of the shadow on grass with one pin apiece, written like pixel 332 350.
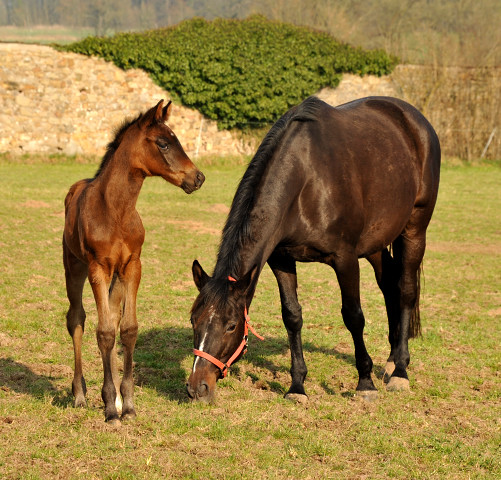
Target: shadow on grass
pixel 161 352
pixel 19 378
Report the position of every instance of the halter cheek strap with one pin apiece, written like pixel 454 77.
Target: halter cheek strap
pixel 242 347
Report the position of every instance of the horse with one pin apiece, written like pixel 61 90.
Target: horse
pixel 331 185
pixel 102 240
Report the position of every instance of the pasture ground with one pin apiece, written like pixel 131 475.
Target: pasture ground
pixel 448 426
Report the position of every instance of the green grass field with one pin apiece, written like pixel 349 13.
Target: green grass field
pixel 448 426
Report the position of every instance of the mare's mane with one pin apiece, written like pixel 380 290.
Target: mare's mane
pixel 237 227
pixel 112 147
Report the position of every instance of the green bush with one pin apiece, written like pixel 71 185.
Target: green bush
pixel 242 73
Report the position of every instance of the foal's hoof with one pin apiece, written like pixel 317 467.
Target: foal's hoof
pixel 398 384
pixel 388 371
pixel 367 395
pixel 296 397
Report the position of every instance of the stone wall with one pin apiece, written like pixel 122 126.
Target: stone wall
pixel 54 102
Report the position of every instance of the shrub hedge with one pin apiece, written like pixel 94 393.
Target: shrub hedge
pixel 242 73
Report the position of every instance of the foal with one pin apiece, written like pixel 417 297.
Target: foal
pixel 103 236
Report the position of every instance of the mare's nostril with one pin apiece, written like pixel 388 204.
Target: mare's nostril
pixel 203 389
pixel 190 391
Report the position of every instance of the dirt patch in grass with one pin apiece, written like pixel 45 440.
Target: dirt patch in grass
pixel 469 248
pixel 193 225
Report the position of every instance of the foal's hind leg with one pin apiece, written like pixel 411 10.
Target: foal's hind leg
pixel 284 269
pixel 75 273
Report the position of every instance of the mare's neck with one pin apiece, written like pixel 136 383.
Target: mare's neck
pixel 265 228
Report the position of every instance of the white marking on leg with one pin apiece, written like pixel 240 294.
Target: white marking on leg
pixel 118 404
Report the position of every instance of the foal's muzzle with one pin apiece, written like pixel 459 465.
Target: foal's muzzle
pixel 191 185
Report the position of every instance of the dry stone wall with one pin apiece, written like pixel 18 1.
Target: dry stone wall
pixel 54 102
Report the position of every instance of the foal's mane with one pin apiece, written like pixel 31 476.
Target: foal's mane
pixel 237 228
pixel 112 147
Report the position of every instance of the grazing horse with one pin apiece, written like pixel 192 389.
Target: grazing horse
pixel 328 185
pixel 103 236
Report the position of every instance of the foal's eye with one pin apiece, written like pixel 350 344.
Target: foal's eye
pixel 231 328
pixel 162 144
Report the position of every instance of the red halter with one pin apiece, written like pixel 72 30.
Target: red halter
pixel 243 345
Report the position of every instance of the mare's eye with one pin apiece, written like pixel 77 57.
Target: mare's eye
pixel 231 328
pixel 162 144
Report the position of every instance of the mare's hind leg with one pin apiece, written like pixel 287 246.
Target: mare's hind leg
pixel 284 269
pixel 348 274
pixel 387 276
pixel 408 251
pixel 75 274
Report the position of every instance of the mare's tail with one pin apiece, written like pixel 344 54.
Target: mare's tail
pixel 415 323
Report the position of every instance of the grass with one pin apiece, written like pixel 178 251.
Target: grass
pixel 448 426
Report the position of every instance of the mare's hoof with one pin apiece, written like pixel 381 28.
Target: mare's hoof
pixel 80 402
pixel 398 384
pixel 127 416
pixel 388 371
pixel 367 395
pixel 114 422
pixel 296 397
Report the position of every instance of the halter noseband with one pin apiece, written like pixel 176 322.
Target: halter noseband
pixel 242 347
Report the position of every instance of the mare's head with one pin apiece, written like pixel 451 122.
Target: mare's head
pixel 157 150
pixel 219 328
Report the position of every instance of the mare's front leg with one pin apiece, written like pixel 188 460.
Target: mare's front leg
pixel 128 335
pixel 348 274
pixel 284 269
pixel 100 281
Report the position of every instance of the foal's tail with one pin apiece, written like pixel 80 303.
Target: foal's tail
pixel 415 323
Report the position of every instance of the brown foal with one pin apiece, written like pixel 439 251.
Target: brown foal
pixel 102 241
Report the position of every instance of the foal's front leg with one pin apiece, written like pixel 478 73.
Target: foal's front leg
pixel 106 333
pixel 284 269
pixel 128 335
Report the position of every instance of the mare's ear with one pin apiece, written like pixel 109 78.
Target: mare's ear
pixel 247 284
pixel 152 115
pixel 199 276
pixel 166 112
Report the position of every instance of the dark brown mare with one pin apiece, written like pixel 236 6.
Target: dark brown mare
pixel 326 185
pixel 102 241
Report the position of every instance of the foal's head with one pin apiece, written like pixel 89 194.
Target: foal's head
pixel 218 318
pixel 157 151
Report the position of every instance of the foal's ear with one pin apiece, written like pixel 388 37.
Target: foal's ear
pixel 166 112
pixel 199 276
pixel 152 115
